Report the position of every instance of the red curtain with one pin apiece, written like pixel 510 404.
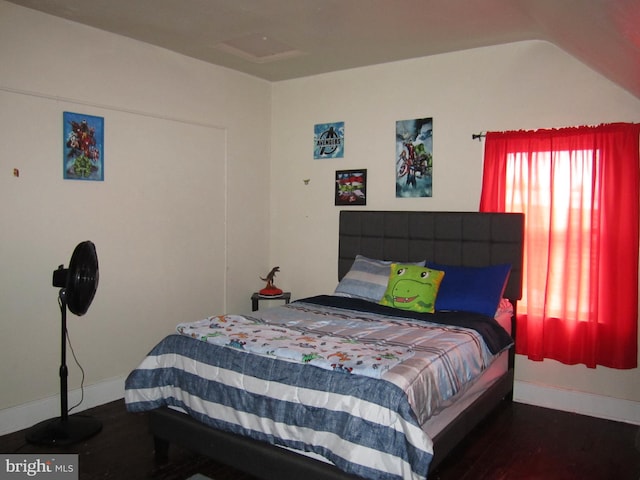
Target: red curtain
pixel 579 190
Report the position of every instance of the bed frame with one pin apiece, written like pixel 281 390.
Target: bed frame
pixel 453 238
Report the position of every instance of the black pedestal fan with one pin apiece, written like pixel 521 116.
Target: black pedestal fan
pixel 78 286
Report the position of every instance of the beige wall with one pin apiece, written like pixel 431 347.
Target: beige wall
pixel 260 137
pixel 180 223
pixel 524 85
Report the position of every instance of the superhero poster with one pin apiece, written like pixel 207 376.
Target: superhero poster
pixel 83 155
pixel 414 158
pixel 351 187
pixel 328 140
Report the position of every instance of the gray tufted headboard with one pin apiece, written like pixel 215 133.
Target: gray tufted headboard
pixel 453 238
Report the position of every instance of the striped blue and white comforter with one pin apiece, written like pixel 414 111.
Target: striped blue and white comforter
pixel 366 426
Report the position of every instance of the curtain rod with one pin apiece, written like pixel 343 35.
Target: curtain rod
pixel 478 136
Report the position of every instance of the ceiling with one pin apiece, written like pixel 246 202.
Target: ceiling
pixel 284 39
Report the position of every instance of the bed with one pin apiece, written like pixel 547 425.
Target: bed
pixel 345 414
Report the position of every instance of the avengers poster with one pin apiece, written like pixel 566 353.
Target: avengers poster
pixel 414 158
pixel 328 140
pixel 351 187
pixel 83 147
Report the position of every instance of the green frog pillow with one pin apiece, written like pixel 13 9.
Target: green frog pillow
pixel 412 287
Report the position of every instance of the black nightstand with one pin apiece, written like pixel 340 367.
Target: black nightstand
pixel 256 297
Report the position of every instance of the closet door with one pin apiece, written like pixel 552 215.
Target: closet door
pixel 174 177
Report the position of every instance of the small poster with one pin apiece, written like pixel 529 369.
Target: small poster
pixel 351 187
pixel 414 158
pixel 83 156
pixel 328 140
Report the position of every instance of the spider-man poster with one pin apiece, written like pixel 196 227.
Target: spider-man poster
pixel 414 158
pixel 83 155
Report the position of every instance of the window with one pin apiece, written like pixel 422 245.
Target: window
pixel 578 189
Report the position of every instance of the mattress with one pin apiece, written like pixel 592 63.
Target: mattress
pixel 437 422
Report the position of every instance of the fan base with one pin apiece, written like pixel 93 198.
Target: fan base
pixel 57 431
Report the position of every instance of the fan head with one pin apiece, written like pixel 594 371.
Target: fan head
pixel 80 281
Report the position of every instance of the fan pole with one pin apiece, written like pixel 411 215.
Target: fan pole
pixel 64 371
pixel 64 430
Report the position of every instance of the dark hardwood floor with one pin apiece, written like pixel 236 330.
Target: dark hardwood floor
pixel 516 442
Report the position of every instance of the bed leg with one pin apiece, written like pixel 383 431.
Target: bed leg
pixel 161 449
pixel 509 396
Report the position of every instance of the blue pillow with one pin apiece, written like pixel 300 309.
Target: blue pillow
pixel 367 279
pixel 471 289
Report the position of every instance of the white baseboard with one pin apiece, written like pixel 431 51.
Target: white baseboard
pixel 590 404
pixel 24 416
